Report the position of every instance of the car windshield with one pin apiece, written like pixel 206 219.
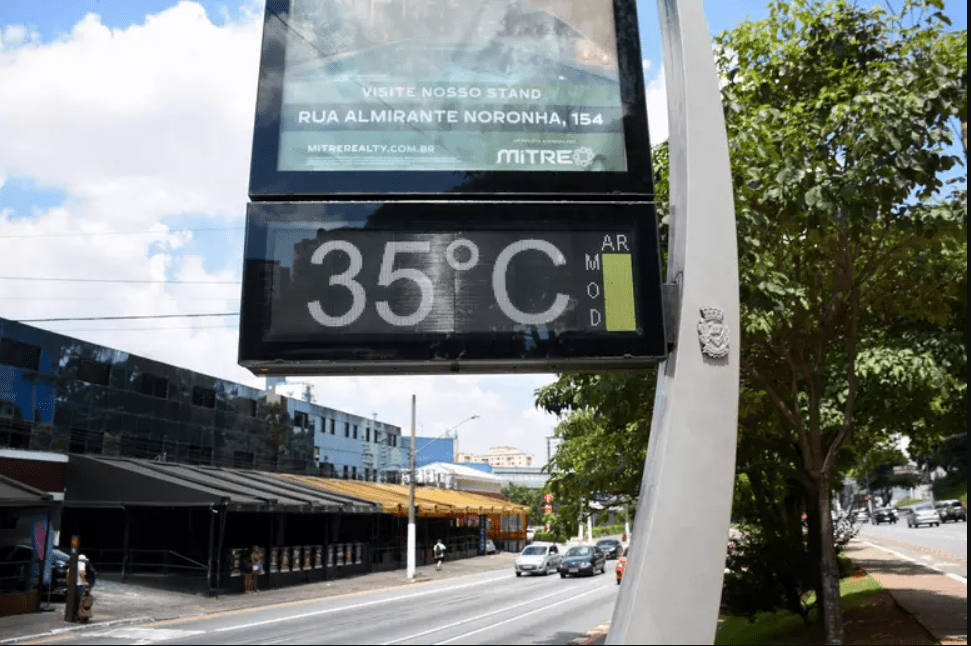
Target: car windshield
pixel 606 543
pixel 926 507
pixel 580 551
pixel 535 550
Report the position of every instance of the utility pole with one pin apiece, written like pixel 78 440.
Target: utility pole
pixel 411 497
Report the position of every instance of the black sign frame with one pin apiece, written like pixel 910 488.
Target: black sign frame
pixel 269 183
pixel 533 349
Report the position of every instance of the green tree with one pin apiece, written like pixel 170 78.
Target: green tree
pixel 838 122
pixel 529 496
pixel 853 263
pixel 279 425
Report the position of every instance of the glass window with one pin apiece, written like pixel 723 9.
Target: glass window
pixel 205 397
pixel 347 429
pixel 355 431
pixel 19 355
pixel 301 419
pixel 155 386
pixel 94 372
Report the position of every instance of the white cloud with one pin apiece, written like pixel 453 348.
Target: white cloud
pixel 656 96
pixel 141 124
pixel 152 120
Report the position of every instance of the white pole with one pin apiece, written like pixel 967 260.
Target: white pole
pixel 411 498
pixel 671 589
pixel 590 528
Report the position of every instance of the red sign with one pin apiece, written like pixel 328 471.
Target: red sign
pixel 548 498
pixel 548 509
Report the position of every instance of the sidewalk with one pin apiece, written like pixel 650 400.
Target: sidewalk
pixel 144 599
pixel 937 602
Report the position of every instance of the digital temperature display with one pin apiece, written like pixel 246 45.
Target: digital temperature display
pixel 341 286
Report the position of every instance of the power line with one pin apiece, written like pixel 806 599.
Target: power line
pixel 116 233
pixel 123 280
pixel 140 329
pixel 124 318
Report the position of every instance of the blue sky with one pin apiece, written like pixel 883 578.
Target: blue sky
pixel 137 124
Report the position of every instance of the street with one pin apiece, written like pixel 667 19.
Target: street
pixel 485 608
pixel 944 548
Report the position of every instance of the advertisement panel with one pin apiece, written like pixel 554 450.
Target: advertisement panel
pixel 453 85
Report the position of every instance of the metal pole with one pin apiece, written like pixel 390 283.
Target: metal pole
pixel 671 589
pixel 212 521
pixel 411 498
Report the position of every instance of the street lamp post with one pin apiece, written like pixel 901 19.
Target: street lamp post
pixel 411 487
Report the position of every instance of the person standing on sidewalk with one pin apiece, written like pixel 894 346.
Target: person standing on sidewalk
pixel 439 550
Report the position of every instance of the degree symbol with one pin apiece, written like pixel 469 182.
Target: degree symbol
pixel 457 264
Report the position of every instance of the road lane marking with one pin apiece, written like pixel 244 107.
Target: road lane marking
pixel 465 621
pixel 353 606
pixel 531 612
pixel 144 635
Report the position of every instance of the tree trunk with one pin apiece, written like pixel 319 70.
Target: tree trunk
pixel 829 570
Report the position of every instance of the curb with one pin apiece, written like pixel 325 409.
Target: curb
pixel 591 635
pixel 79 628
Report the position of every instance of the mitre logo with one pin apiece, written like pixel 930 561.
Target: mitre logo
pixel 582 157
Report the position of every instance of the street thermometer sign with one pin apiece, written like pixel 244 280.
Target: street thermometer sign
pixel 450 185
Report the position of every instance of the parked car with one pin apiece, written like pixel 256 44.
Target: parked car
pixel 922 514
pixel 611 547
pixel 621 566
pixel 538 558
pixel 491 547
pixel 951 510
pixel 885 515
pixel 583 559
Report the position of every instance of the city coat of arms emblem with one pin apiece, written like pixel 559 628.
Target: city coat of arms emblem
pixel 713 332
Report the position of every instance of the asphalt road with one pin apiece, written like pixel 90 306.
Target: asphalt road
pixel 485 608
pixel 944 548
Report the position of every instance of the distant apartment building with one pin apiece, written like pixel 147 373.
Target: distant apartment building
pixel 500 456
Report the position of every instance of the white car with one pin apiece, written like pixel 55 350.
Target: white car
pixel 923 514
pixel 538 558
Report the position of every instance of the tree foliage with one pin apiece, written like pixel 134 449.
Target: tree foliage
pixel 852 259
pixel 523 495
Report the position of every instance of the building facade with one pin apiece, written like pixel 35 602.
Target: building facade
pixel 63 395
pixel 500 456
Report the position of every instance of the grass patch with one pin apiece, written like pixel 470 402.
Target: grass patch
pixel 907 501
pixel 784 627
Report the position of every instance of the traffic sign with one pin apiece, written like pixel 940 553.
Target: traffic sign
pixel 548 497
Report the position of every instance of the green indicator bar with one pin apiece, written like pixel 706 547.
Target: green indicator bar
pixel 619 292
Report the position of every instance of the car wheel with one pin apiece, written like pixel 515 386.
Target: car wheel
pixel 562 575
pixel 518 573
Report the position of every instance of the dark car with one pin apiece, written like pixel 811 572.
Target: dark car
pixel 611 547
pixel 951 510
pixel 582 559
pixel 885 515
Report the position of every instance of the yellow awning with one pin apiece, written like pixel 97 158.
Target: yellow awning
pixel 429 501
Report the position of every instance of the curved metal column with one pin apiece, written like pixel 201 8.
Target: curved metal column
pixel 672 586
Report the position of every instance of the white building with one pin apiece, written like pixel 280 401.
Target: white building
pixel 445 475
pixel 500 456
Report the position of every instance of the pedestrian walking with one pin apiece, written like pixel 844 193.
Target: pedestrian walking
pixel 439 550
